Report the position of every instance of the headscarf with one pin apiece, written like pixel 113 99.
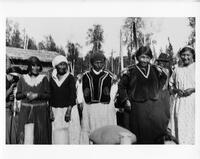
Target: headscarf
pixel 58 59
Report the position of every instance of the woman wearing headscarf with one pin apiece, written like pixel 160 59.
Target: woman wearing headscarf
pixel 182 84
pixel 66 123
pixel 12 77
pixel 33 91
pixel 98 110
pixel 139 90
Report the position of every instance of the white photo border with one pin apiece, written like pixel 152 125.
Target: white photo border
pixel 98 9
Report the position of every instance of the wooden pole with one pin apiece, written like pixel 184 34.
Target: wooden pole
pixel 26 42
pixel 134 35
pixel 112 61
pixel 24 38
pixel 120 52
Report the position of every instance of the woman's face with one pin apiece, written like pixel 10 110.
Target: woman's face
pixel 144 60
pixel 35 69
pixel 98 65
pixel 61 68
pixel 187 58
pixel 10 77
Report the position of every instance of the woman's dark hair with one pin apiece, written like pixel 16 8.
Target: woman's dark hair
pixel 97 56
pixel 187 48
pixel 33 60
pixel 146 50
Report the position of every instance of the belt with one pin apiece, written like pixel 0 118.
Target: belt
pixel 33 104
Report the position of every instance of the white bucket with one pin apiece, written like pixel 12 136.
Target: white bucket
pixel 125 138
pixel 28 133
pixel 170 143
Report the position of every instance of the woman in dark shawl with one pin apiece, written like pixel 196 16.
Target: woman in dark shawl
pixel 139 90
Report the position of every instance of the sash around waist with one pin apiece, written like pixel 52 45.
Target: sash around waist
pixel 33 104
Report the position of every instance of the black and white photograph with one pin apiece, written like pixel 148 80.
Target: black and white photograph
pixel 127 80
pixel 96 79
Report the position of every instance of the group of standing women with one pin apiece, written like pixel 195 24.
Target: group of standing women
pixel 142 92
pixel 49 106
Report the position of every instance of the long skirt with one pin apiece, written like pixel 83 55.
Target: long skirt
pixel 166 100
pixel 96 116
pixel 148 120
pixel 33 125
pixel 65 132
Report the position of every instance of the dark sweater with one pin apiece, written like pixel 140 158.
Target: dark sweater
pixel 135 87
pixel 96 88
pixel 65 95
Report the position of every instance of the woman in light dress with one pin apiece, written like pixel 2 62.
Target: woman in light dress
pixel 182 82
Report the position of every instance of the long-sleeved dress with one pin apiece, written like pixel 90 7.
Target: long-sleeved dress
pixel 148 119
pixel 182 121
pixel 35 111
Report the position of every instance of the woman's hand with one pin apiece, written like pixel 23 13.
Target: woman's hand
pixel 80 106
pixel 159 68
pixel 31 96
pixel 189 91
pixel 52 118
pixel 127 105
pixel 68 114
pixel 180 93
